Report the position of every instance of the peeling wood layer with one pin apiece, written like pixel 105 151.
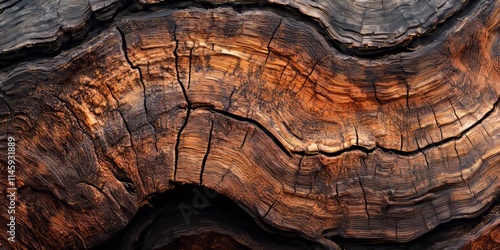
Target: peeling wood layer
pixel 261 108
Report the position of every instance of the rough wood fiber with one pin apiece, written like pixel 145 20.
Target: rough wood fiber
pixel 45 25
pixel 376 24
pixel 366 26
pixel 261 108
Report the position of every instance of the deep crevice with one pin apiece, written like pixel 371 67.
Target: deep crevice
pixel 189 107
pixel 154 223
pixel 117 172
pixel 271 39
pixel 364 198
pixel 375 93
pixel 297 175
pixel 12 59
pixel 205 157
pixel 409 45
pixel 244 140
pixel 49 50
pixel 446 234
pixel 270 208
pixel 129 131
pixel 139 71
pixel 354 147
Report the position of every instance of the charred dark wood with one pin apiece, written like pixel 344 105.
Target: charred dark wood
pixel 263 105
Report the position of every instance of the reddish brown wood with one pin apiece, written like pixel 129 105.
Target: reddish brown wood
pixel 309 132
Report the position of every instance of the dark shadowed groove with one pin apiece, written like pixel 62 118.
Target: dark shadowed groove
pixel 354 147
pixel 166 205
pixel 11 59
pixel 271 39
pixel 120 175
pixel 270 208
pixel 125 54
pixel 131 139
pixel 205 157
pixel 251 121
pixel 411 44
pixel 415 42
pixel 429 240
pixel 135 67
pixel 176 161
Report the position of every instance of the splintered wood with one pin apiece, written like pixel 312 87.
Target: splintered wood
pixel 270 112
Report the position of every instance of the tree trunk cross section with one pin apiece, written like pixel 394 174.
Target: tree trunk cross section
pixel 266 110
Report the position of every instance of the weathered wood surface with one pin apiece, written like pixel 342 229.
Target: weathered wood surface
pixel 45 25
pixel 216 223
pixel 164 226
pixel 261 106
pixel 27 26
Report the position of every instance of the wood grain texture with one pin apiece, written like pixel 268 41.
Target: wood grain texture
pixel 261 108
pixel 372 25
pixel 218 223
pixel 43 26
pixel 377 24
pixel 365 26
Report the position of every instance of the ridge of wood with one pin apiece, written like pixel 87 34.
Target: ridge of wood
pixel 265 112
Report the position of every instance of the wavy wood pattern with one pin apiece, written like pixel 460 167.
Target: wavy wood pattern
pixel 28 26
pixel 260 107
